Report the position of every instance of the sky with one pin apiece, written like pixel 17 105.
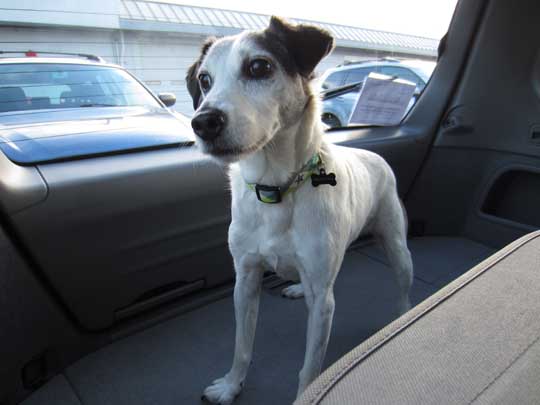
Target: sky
pixel 427 18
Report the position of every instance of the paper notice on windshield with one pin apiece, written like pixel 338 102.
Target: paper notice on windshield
pixel 382 101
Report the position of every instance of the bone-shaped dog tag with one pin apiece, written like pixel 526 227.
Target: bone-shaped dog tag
pixel 323 178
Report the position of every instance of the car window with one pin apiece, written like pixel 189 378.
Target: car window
pixel 358 75
pixel 46 86
pixel 338 109
pixel 401 73
pixel 334 80
pixel 155 42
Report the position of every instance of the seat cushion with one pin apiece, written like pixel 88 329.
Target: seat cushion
pixel 475 341
pixel 58 391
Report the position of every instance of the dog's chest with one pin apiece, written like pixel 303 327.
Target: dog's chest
pixel 266 233
pixel 279 255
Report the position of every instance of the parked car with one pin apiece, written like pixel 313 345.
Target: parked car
pixel 338 108
pixel 54 108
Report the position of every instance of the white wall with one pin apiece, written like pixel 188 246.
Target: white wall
pixel 90 13
pixel 340 55
pixel 161 60
pixel 98 42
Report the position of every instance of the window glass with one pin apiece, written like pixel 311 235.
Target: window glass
pixel 370 37
pixel 46 85
pixel 358 75
pixel 334 80
pixel 337 109
pixel 401 73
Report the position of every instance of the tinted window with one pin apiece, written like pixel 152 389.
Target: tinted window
pixel 42 86
pixel 401 73
pixel 358 75
pixel 334 80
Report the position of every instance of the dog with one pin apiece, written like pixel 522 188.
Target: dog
pixel 256 112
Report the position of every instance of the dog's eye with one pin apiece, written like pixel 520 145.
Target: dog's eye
pixel 259 69
pixel 205 81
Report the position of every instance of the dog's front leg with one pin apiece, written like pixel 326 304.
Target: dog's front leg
pixel 247 292
pixel 320 304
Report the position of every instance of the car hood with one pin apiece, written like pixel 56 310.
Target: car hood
pixel 31 137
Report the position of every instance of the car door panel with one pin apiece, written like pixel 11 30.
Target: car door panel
pixel 118 230
pixel 486 139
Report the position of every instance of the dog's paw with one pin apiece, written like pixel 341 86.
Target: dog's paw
pixel 221 392
pixel 293 291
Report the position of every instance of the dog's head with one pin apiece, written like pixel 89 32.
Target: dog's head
pixel 245 88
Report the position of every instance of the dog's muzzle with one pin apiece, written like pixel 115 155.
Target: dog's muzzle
pixel 208 124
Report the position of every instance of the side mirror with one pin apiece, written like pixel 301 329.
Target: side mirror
pixel 169 99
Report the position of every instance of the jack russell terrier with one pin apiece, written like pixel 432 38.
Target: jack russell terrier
pixel 298 201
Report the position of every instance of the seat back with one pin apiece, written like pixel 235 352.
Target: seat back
pixel 12 99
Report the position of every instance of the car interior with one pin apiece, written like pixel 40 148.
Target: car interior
pixel 116 280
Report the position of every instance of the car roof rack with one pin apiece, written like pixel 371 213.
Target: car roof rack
pixel 33 54
pixel 361 62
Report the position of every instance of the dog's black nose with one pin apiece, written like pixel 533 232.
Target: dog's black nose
pixel 208 124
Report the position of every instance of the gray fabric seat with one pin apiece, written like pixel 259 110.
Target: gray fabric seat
pixel 57 391
pixel 475 341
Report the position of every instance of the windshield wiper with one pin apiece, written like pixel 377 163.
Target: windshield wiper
pixel 338 91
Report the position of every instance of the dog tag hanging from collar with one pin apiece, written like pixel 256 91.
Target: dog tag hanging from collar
pixel 323 178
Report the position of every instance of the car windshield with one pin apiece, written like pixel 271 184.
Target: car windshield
pixel 37 86
pixel 423 68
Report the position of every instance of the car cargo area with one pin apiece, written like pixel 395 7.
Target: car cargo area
pixel 172 362
pixel 116 278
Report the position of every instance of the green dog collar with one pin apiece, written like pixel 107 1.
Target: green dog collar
pixel 275 194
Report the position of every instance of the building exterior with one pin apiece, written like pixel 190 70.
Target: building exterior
pixel 159 41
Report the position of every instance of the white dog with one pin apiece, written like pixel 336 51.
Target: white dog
pixel 257 112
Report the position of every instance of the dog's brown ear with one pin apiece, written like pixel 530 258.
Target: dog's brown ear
pixel 192 82
pixel 308 44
